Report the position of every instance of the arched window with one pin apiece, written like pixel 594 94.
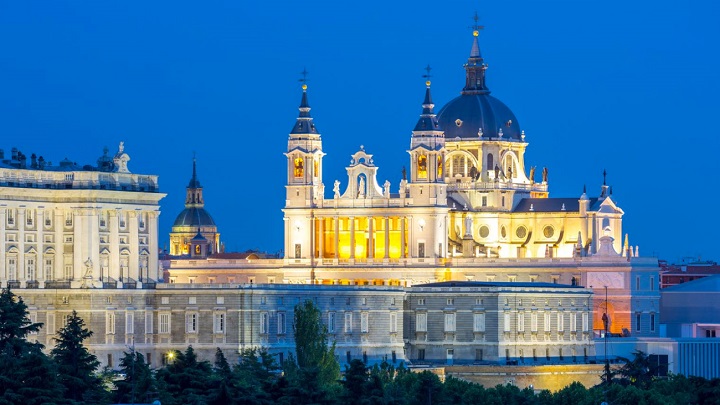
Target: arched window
pixel 299 167
pixel 439 166
pixel 490 165
pixel 315 168
pixel 422 167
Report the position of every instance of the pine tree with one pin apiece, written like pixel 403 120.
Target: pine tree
pixel 138 384
pixel 76 365
pixel 185 380
pixel 26 374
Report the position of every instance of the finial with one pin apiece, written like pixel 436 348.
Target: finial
pixel 604 177
pixel 584 189
pixel 427 75
pixel 476 27
pixel 304 74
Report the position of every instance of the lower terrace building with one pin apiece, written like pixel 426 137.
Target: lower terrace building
pixel 434 324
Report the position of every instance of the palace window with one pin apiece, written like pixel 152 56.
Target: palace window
pixel 191 322
pixel 479 322
pixel 450 322
pixel 348 322
pixel 164 323
pixel 364 322
pixel 264 323
pixel 129 322
pixel 331 322
pixel 219 322
pixel 281 323
pixel 506 322
pixel 393 323
pixel 421 322
pixel 533 322
pixel 109 323
pixel 560 322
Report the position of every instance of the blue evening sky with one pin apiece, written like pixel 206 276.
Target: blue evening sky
pixel 627 86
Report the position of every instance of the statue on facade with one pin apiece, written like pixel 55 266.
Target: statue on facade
pixel 532 174
pixel 361 187
pixel 497 173
pixel 386 188
pixel 545 174
pixel 468 226
pixel 336 189
pixel 404 173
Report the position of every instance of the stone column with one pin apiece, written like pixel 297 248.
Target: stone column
pixel 321 238
pixel 40 259
pixel 152 227
pixel 133 244
pixel 387 237
pixel 21 270
pixel 371 239
pixel 337 237
pixel 114 239
pixel 59 263
pixel 352 237
pixel 78 259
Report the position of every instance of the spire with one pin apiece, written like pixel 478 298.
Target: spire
pixel 428 119
pixel 194 194
pixel 475 66
pixel 194 182
pixel 304 124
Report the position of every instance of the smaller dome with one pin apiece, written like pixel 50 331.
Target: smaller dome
pixel 194 216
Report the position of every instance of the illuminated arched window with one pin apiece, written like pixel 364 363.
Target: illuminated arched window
pixel 422 167
pixel 510 167
pixel 197 249
pixel 299 167
pixel 439 166
pixel 490 165
pixel 315 168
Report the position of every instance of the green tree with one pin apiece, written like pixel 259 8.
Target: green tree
pixel 26 374
pixel 75 364
pixel 139 383
pixel 311 343
pixel 185 380
pixel 639 371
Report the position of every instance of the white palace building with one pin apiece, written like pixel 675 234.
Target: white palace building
pixel 464 260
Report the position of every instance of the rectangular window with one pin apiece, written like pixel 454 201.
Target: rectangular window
pixel 109 360
pixel 421 354
pixel 110 323
pixel 364 322
pixel 264 323
pixel 450 322
pixel 421 322
pixel 652 283
pixel 393 323
pixel 421 301
pixel 484 201
pixel 479 322
pixel 652 322
pixel 348 322
pixel 560 322
pixel 450 301
pixel 637 322
pixel 421 249
pixel 129 322
pixel 533 322
pixel 33 319
pixel 149 322
pixel 506 322
pixel 191 322
pixel 479 354
pixel 164 321
pixel 331 322
pixel 585 322
pixel 546 321
pixel 10 216
pixel 281 323
pixel 521 322
pixel 573 322
pixel 637 282
pixel 219 322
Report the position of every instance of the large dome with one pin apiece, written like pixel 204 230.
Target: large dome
pixel 466 115
pixel 194 216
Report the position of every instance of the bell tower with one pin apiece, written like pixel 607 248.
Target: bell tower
pixel 427 155
pixel 304 161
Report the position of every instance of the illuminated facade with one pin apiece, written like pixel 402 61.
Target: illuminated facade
pixel 70 226
pixel 468 208
pixel 194 232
